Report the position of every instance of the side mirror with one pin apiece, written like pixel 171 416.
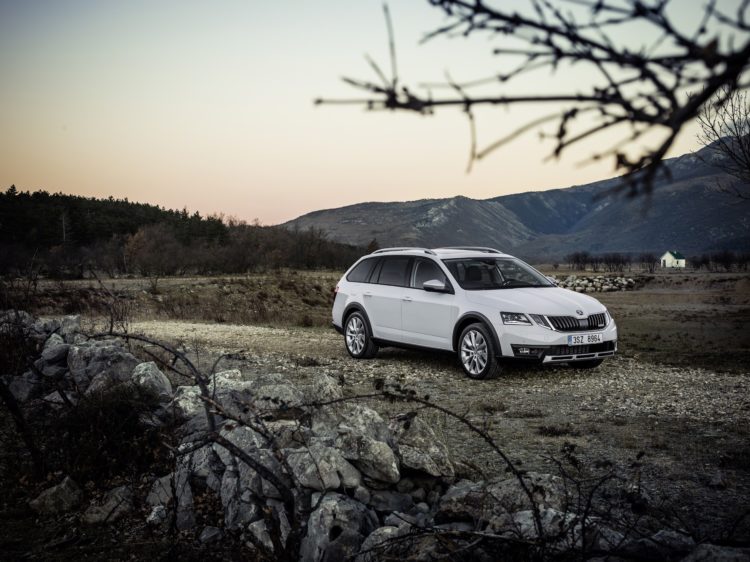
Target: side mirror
pixel 551 279
pixel 435 286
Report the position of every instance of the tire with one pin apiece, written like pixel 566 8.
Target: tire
pixel 476 352
pixel 357 337
pixel 588 364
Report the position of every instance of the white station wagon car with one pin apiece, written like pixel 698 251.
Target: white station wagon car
pixel 480 303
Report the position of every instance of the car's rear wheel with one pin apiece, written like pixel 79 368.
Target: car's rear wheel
pixel 358 338
pixel 476 352
pixel 588 364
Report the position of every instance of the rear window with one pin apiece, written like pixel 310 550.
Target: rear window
pixel 393 271
pixel 361 271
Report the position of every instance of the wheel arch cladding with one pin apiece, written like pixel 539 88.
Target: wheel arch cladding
pixel 354 307
pixel 474 318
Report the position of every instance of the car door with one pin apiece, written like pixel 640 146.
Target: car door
pixel 428 317
pixel 384 295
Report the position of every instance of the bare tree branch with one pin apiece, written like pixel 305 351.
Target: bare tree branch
pixel 659 84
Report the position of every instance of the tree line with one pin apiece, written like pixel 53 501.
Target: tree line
pixel 65 236
pixel 614 262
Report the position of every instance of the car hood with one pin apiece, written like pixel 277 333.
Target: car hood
pixel 550 301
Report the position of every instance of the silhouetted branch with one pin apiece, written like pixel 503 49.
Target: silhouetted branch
pixel 659 84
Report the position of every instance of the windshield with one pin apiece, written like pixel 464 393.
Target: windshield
pixel 476 274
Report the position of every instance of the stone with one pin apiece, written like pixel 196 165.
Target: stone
pixel 231 379
pixel 260 535
pixel 420 449
pixel 54 372
pixel 70 326
pixel 484 501
pixel 362 494
pixel 104 382
pixel 115 504
pixel 662 545
pixel 714 553
pixel 562 526
pixel 322 468
pixel 373 458
pixel 55 353
pixel 277 398
pixel 161 491
pixel 377 543
pixel 325 388
pixel 58 499
pixel 388 500
pixel 157 516
pixel 279 514
pixel 289 434
pixel 187 402
pixel 26 386
pixel 336 529
pixel 56 401
pixel 397 518
pixel 106 359
pixel 203 462
pixel 239 506
pixel 209 534
pixel 184 517
pixel 356 418
pixel 151 380
pixel 243 437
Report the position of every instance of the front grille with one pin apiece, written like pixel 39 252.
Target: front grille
pixel 580 349
pixel 570 324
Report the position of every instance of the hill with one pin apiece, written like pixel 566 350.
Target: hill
pixel 687 210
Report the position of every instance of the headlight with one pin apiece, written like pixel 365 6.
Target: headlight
pixel 515 318
pixel 541 320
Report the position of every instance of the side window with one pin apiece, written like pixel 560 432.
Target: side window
pixel 393 271
pixel 361 272
pixel 426 270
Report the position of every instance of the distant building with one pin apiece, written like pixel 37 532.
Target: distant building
pixel 673 258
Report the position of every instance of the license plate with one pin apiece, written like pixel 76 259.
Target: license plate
pixel 585 339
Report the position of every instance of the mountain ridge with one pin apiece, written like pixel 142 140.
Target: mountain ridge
pixel 687 209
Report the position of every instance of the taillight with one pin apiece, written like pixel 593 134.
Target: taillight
pixel 336 289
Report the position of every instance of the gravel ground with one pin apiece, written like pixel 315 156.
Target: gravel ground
pixel 690 424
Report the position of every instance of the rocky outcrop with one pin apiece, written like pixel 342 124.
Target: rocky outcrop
pixel 63 497
pixel 286 462
pixel 596 283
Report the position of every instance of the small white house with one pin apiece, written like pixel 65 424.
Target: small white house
pixel 673 258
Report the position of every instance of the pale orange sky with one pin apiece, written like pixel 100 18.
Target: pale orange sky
pixel 209 106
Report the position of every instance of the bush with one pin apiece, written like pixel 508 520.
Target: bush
pixel 107 435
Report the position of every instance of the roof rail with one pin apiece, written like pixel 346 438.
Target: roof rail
pixel 425 250
pixel 484 249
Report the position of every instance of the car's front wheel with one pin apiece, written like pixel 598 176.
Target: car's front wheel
pixel 358 338
pixel 477 354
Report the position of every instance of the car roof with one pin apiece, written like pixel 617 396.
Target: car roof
pixel 446 252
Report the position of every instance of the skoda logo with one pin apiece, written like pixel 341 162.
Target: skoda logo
pixel 579 312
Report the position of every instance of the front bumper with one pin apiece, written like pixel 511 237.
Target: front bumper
pixel 539 344
pixel 336 327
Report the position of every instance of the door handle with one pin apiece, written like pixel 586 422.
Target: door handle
pixel 407 299
pixel 367 294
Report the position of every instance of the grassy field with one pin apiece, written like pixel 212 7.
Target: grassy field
pixel 681 318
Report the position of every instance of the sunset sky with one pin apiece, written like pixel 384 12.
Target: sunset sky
pixel 209 106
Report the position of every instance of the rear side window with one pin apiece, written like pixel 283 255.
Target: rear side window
pixel 393 271
pixel 361 272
